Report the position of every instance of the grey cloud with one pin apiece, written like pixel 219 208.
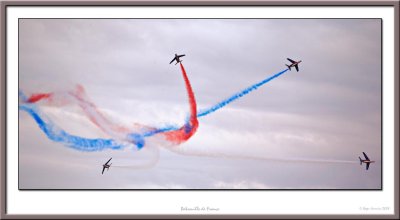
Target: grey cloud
pixel 329 110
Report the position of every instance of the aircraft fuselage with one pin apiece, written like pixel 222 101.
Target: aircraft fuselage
pixel 178 60
pixel 367 161
pixel 294 64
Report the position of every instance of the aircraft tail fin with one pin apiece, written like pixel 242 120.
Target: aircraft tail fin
pixel 360 160
pixel 288 66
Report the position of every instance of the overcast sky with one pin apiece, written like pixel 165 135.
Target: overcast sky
pixel 303 129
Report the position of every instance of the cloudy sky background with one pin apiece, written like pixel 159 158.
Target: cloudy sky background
pixel 303 130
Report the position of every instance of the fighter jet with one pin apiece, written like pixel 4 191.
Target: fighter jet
pixel 106 165
pixel 367 161
pixel 293 64
pixel 177 58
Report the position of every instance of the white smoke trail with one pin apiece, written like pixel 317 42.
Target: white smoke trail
pixel 188 152
pixel 154 158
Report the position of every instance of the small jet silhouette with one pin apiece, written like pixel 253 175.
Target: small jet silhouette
pixel 177 58
pixel 293 64
pixel 367 161
pixel 106 165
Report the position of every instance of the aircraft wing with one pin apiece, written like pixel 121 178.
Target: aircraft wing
pixel 108 161
pixel 172 60
pixel 103 170
pixel 367 166
pixel 297 68
pixel 181 55
pixel 365 155
pixel 291 60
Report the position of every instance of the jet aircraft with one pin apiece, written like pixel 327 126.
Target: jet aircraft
pixel 367 161
pixel 177 58
pixel 106 165
pixel 293 64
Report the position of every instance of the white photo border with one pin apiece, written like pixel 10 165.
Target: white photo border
pixel 268 202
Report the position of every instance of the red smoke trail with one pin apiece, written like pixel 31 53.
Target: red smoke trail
pixel 94 114
pixel 38 97
pixel 190 127
pixel 79 97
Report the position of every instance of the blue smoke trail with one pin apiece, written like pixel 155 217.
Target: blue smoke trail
pixel 138 139
pixel 214 108
pixel 79 143
pixel 58 135
pixel 22 96
pixel 86 144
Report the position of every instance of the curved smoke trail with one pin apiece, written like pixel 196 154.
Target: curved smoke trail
pixel 190 127
pixel 136 136
pixel 154 157
pixel 56 134
pixel 122 136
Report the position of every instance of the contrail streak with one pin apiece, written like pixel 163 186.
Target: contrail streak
pixel 187 152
